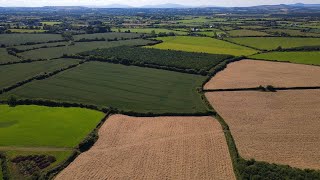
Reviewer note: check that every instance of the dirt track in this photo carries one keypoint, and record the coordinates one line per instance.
(250, 73)
(281, 127)
(155, 148)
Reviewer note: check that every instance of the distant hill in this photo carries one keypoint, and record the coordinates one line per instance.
(112, 6)
(169, 5)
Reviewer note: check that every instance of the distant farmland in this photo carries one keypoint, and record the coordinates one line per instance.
(56, 52)
(106, 36)
(16, 39)
(125, 87)
(269, 43)
(5, 57)
(202, 44)
(153, 148)
(301, 57)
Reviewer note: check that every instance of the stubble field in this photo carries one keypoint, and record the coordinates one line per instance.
(154, 147)
(251, 73)
(281, 127)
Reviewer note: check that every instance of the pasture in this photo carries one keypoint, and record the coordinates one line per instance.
(5, 57)
(202, 44)
(167, 58)
(12, 74)
(42, 45)
(153, 147)
(50, 23)
(17, 39)
(300, 57)
(128, 88)
(269, 43)
(253, 73)
(246, 32)
(56, 52)
(149, 30)
(27, 30)
(110, 35)
(277, 127)
(35, 126)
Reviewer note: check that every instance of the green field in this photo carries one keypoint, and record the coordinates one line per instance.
(60, 156)
(269, 43)
(16, 39)
(56, 52)
(168, 58)
(128, 88)
(110, 35)
(245, 32)
(149, 30)
(27, 30)
(27, 47)
(309, 57)
(292, 32)
(35, 126)
(50, 23)
(202, 44)
(11, 74)
(5, 57)
(211, 33)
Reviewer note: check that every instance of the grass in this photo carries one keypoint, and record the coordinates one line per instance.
(11, 74)
(111, 35)
(269, 43)
(309, 57)
(202, 44)
(245, 32)
(16, 39)
(51, 23)
(5, 57)
(292, 32)
(128, 88)
(148, 30)
(34, 126)
(27, 30)
(55, 52)
(60, 156)
(211, 33)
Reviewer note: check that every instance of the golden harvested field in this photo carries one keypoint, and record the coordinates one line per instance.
(279, 127)
(253, 73)
(155, 148)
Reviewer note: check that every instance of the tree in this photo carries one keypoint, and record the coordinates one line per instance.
(12, 101)
(153, 33)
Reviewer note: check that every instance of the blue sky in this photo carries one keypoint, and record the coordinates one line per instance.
(149, 2)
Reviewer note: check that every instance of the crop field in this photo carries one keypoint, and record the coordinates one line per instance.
(300, 57)
(27, 30)
(170, 58)
(35, 126)
(149, 30)
(11, 74)
(16, 39)
(56, 52)
(128, 88)
(278, 127)
(106, 36)
(5, 57)
(42, 45)
(253, 73)
(202, 44)
(15, 168)
(153, 147)
(269, 43)
(245, 32)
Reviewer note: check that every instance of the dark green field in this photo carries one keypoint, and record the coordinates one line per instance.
(11, 74)
(55, 52)
(16, 39)
(106, 36)
(5, 57)
(171, 58)
(128, 88)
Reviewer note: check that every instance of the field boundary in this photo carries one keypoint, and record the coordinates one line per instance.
(278, 61)
(264, 89)
(4, 167)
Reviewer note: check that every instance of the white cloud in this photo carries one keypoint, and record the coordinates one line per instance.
(145, 2)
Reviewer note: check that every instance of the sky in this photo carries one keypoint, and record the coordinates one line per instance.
(228, 3)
